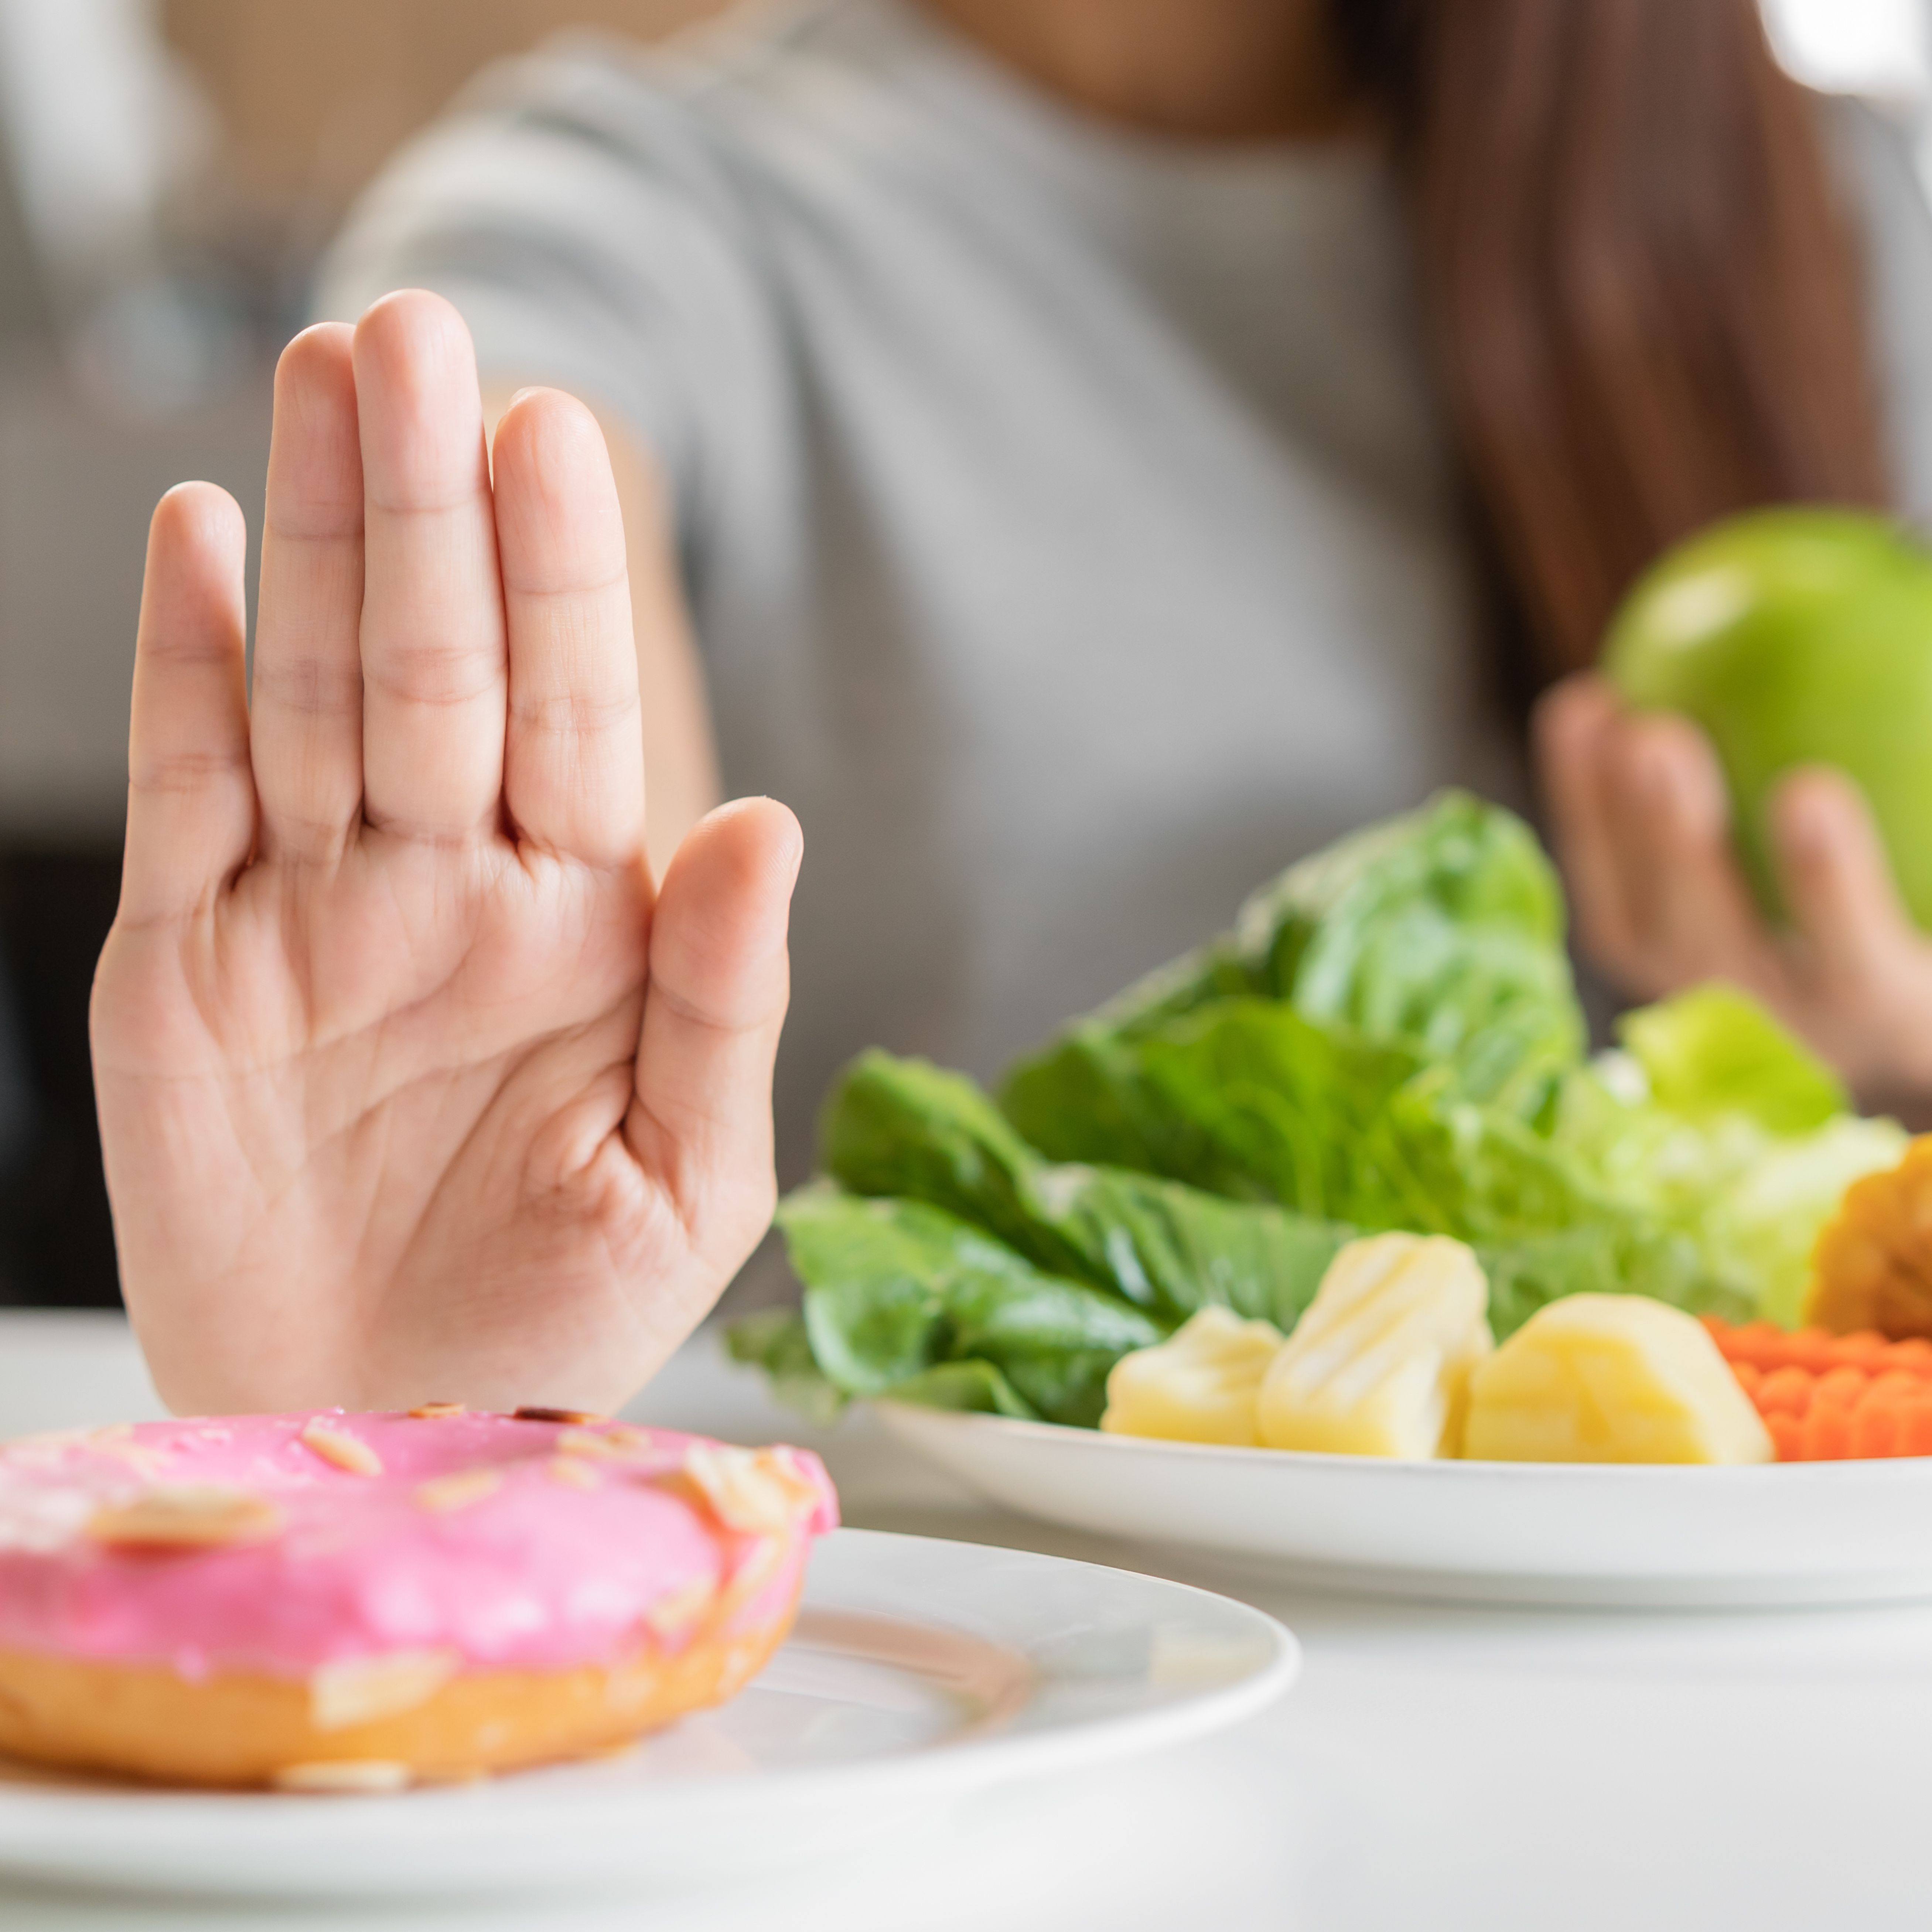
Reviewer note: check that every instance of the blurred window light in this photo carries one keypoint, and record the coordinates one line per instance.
(1878, 48)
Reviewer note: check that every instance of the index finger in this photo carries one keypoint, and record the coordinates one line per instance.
(1571, 729)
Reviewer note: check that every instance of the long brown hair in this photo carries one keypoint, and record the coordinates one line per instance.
(1645, 305)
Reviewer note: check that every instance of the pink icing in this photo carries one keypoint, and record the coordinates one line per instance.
(538, 1574)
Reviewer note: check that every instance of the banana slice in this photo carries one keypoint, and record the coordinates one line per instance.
(1198, 1386)
(1379, 1365)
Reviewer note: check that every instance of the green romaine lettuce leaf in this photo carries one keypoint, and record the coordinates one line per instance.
(1767, 1221)
(1243, 1097)
(897, 1289)
(1441, 930)
(774, 1340)
(1712, 1051)
(1611, 1254)
(971, 1385)
(1259, 1103)
(1727, 1129)
(905, 1127)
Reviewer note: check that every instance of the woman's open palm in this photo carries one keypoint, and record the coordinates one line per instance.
(407, 1087)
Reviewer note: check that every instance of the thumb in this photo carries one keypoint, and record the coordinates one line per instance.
(719, 983)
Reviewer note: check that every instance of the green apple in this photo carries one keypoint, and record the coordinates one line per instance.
(1796, 636)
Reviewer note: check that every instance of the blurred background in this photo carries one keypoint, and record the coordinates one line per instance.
(169, 171)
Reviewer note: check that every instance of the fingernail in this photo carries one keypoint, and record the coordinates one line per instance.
(530, 389)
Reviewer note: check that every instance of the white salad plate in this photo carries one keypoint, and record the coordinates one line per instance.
(920, 1672)
(1583, 1533)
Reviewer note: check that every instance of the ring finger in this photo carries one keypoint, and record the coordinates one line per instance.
(1691, 916)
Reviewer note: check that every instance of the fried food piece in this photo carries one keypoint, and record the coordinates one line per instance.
(1872, 1267)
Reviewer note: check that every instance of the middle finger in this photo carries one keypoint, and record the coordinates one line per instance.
(1691, 914)
(434, 672)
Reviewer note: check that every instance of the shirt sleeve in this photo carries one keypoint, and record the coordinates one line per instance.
(585, 223)
(1875, 158)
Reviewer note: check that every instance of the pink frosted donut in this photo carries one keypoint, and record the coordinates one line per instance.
(328, 1601)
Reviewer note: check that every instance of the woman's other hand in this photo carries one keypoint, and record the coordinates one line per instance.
(410, 1085)
(1642, 823)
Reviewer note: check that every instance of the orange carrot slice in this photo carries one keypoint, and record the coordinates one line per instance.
(1825, 1397)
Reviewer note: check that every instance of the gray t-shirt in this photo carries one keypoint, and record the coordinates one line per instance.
(1071, 535)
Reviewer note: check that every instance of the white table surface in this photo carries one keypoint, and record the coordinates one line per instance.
(1439, 1767)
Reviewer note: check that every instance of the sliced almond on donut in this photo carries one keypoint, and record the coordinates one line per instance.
(337, 1447)
(360, 1690)
(349, 1777)
(620, 1443)
(757, 1491)
(179, 1516)
(437, 1411)
(458, 1489)
(531, 1412)
(761, 1565)
(671, 1616)
(574, 1471)
(116, 1440)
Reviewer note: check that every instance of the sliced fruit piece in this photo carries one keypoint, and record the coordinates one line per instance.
(1379, 1365)
(1612, 1378)
(1198, 1386)
(1872, 1267)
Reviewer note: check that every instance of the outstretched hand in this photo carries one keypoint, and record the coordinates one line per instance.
(410, 1086)
(1642, 827)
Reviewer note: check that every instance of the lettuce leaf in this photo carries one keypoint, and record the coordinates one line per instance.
(1442, 931)
(1767, 1221)
(896, 1290)
(907, 1128)
(775, 1340)
(1260, 1103)
(1712, 1052)
(1243, 1097)
(1726, 1129)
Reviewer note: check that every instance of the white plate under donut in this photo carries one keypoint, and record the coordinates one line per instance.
(1602, 1535)
(920, 1672)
